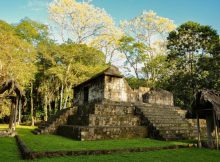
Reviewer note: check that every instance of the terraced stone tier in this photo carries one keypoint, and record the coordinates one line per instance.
(113, 120)
(113, 109)
(102, 132)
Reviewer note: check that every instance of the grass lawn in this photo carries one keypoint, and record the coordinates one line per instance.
(54, 142)
(8, 149)
(10, 153)
(180, 155)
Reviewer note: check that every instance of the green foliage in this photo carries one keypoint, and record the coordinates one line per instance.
(31, 31)
(17, 57)
(4, 108)
(134, 53)
(156, 70)
(135, 83)
(5, 27)
(193, 49)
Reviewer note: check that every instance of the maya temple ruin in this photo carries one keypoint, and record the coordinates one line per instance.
(105, 107)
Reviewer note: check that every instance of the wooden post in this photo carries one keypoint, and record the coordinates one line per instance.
(199, 133)
(209, 121)
(216, 130)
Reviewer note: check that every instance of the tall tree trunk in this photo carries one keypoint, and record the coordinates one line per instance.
(12, 116)
(67, 96)
(19, 110)
(55, 105)
(17, 99)
(49, 106)
(61, 96)
(32, 105)
(45, 108)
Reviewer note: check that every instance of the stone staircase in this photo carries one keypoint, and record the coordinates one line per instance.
(103, 121)
(60, 118)
(115, 120)
(164, 122)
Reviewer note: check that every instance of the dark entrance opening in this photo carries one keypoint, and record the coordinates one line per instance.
(86, 94)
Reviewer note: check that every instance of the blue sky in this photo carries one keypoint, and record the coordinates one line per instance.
(206, 12)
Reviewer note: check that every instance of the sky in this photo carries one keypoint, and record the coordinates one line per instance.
(206, 12)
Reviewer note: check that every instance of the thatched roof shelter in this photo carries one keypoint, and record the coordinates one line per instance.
(11, 85)
(16, 99)
(206, 105)
(206, 101)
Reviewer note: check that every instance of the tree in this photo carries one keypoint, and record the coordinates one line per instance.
(79, 21)
(108, 44)
(134, 53)
(157, 69)
(189, 44)
(150, 29)
(17, 58)
(75, 63)
(15, 53)
(32, 31)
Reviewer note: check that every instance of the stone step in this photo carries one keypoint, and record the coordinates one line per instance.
(101, 133)
(172, 113)
(58, 113)
(52, 125)
(113, 120)
(182, 125)
(113, 103)
(175, 136)
(158, 107)
(174, 128)
(175, 131)
(162, 117)
(168, 121)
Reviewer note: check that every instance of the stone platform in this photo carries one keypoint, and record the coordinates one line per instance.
(104, 121)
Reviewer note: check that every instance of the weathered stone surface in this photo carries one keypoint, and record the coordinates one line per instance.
(102, 132)
(106, 111)
(164, 122)
(104, 120)
(110, 85)
(160, 97)
(53, 123)
(93, 91)
(113, 120)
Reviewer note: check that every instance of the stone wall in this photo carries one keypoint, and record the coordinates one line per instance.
(160, 97)
(140, 92)
(117, 89)
(104, 120)
(95, 91)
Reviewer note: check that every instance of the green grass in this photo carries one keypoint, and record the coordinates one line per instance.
(54, 142)
(8, 149)
(10, 153)
(180, 155)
